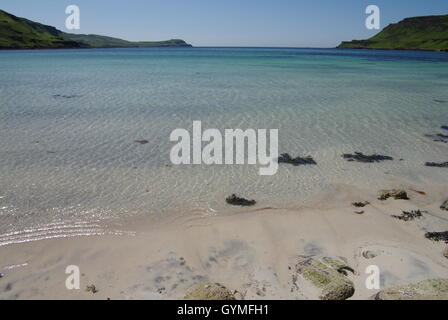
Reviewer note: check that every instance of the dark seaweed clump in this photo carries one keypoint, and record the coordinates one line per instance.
(360, 204)
(437, 165)
(360, 157)
(286, 158)
(236, 201)
(409, 216)
(437, 236)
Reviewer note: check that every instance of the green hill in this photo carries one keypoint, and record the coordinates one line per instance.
(417, 33)
(21, 33)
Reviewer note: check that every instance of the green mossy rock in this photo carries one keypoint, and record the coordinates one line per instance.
(327, 274)
(433, 289)
(208, 291)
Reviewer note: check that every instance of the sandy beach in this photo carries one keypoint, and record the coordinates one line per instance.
(250, 251)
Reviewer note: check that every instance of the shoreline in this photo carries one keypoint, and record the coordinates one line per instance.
(250, 251)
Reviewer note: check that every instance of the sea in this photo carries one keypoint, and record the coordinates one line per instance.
(85, 134)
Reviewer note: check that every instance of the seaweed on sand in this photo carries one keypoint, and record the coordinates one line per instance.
(360, 157)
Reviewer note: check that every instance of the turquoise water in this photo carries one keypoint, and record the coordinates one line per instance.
(69, 120)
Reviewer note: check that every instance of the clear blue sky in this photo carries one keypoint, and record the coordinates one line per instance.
(297, 23)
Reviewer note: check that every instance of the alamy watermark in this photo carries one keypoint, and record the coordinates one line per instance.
(73, 21)
(72, 282)
(373, 20)
(373, 281)
(189, 149)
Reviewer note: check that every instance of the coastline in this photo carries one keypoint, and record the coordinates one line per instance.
(401, 49)
(250, 251)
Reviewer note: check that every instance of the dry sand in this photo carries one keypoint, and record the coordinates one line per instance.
(248, 250)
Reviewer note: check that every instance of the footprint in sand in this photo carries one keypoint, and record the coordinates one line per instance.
(235, 255)
(166, 277)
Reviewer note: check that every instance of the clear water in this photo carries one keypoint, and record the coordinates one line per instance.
(69, 120)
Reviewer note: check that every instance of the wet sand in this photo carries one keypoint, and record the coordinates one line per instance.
(251, 251)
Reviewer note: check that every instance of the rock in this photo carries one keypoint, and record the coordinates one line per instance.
(286, 158)
(208, 291)
(444, 205)
(360, 204)
(328, 275)
(437, 236)
(396, 194)
(358, 156)
(437, 165)
(1, 275)
(359, 212)
(236, 201)
(142, 141)
(409, 216)
(91, 288)
(432, 289)
(445, 252)
(444, 127)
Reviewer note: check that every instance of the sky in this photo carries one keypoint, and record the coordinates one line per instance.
(265, 23)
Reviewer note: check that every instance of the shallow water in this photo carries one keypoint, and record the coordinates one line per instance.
(69, 120)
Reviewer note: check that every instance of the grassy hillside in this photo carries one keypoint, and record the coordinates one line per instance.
(96, 41)
(418, 33)
(20, 33)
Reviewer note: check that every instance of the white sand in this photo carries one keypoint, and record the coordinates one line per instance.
(248, 250)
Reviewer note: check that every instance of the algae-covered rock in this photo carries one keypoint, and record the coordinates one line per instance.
(327, 274)
(208, 291)
(396, 194)
(432, 289)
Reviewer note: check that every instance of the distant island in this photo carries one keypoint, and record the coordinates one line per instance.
(21, 33)
(417, 33)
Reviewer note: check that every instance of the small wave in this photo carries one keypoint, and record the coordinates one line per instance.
(58, 230)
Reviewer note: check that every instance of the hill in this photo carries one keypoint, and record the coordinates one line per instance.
(21, 33)
(417, 33)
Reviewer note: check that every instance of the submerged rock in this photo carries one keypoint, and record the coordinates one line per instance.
(236, 201)
(358, 156)
(396, 194)
(437, 236)
(437, 165)
(444, 127)
(286, 158)
(444, 205)
(209, 291)
(327, 274)
(409, 216)
(432, 289)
